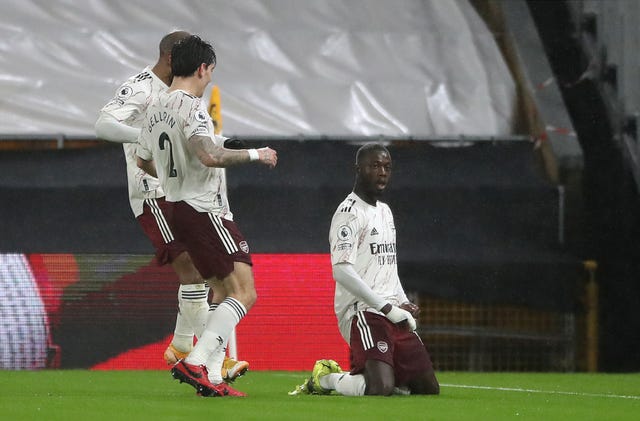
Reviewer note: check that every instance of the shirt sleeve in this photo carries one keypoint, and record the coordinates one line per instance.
(110, 129)
(343, 237)
(130, 100)
(142, 148)
(346, 275)
(199, 124)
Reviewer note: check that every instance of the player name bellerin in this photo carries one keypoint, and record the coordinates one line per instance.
(161, 116)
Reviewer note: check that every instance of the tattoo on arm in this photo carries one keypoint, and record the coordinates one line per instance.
(213, 155)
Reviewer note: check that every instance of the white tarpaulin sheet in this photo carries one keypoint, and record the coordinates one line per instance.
(285, 67)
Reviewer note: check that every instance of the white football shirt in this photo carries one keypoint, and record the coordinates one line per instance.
(128, 107)
(171, 119)
(365, 236)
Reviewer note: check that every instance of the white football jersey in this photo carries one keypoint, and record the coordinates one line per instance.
(365, 236)
(171, 119)
(128, 107)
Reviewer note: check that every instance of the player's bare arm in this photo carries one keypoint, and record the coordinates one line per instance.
(147, 166)
(212, 155)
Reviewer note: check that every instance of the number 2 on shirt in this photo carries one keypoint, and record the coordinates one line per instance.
(164, 137)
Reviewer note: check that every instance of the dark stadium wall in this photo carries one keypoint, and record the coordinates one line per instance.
(612, 204)
(477, 223)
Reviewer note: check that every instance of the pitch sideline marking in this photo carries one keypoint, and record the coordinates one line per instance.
(551, 392)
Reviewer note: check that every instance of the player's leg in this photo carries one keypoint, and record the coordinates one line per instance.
(220, 323)
(376, 380)
(325, 377)
(379, 378)
(190, 321)
(413, 366)
(184, 268)
(181, 342)
(372, 370)
(216, 358)
(192, 294)
(425, 383)
(231, 369)
(346, 384)
(219, 251)
(371, 345)
(241, 296)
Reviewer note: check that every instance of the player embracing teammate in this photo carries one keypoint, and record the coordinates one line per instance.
(120, 121)
(177, 143)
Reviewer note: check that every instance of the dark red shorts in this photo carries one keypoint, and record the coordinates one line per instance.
(214, 243)
(154, 220)
(374, 337)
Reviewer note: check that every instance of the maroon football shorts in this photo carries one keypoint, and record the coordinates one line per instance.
(374, 337)
(214, 243)
(154, 220)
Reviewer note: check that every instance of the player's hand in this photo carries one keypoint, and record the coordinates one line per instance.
(411, 308)
(399, 315)
(268, 157)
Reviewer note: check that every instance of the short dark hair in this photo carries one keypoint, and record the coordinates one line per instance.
(188, 54)
(368, 148)
(168, 41)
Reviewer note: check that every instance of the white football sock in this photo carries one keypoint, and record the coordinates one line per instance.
(214, 363)
(183, 334)
(193, 306)
(344, 383)
(219, 325)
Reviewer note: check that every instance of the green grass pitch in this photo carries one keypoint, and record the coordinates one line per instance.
(154, 395)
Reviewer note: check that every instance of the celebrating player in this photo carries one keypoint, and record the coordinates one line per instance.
(374, 315)
(177, 141)
(120, 121)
